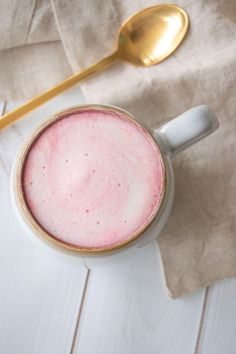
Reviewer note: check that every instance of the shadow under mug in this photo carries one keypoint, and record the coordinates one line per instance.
(171, 138)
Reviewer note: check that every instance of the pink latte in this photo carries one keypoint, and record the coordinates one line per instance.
(93, 179)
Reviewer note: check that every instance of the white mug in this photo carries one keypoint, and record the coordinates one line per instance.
(171, 137)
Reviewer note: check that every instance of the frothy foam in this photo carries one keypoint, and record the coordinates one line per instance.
(93, 179)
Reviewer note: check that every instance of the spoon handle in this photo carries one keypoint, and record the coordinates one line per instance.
(30, 105)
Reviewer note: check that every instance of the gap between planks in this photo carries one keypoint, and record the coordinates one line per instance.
(202, 321)
(76, 332)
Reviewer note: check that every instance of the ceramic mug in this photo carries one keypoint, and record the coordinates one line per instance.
(171, 138)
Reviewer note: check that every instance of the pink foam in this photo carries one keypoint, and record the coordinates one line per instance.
(93, 179)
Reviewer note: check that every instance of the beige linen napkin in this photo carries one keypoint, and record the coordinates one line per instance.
(44, 41)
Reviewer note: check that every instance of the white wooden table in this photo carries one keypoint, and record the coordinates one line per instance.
(49, 306)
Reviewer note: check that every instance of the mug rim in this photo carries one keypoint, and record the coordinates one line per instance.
(22, 204)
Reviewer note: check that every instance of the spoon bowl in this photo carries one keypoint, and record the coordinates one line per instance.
(145, 39)
(151, 35)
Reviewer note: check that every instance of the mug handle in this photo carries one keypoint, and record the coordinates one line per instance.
(186, 129)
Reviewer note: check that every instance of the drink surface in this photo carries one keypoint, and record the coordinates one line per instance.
(93, 179)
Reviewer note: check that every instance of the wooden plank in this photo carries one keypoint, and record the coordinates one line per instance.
(219, 325)
(126, 311)
(40, 295)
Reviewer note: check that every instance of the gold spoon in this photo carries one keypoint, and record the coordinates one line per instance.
(145, 39)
